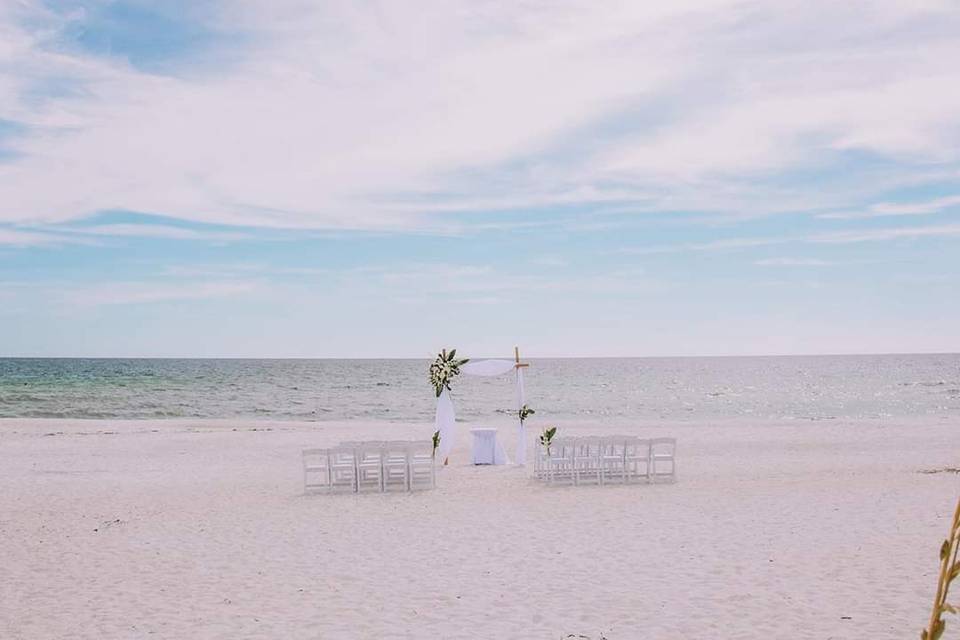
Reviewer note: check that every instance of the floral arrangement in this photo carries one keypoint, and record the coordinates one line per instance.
(949, 570)
(436, 443)
(547, 437)
(525, 412)
(444, 369)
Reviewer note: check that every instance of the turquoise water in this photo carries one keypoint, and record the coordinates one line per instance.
(812, 388)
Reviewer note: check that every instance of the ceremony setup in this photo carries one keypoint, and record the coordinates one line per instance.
(486, 447)
(412, 465)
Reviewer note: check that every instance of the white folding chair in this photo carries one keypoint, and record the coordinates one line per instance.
(586, 459)
(540, 460)
(396, 465)
(557, 460)
(663, 453)
(613, 458)
(316, 470)
(370, 465)
(342, 461)
(636, 459)
(422, 467)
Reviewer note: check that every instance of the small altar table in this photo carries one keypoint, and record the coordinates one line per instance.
(486, 448)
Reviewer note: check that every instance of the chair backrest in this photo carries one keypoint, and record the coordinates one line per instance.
(342, 453)
(613, 445)
(312, 457)
(370, 451)
(561, 447)
(663, 446)
(637, 447)
(420, 449)
(589, 446)
(396, 450)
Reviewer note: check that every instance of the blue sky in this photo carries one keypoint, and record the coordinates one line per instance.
(283, 179)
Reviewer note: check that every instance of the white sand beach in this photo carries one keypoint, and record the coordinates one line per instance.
(200, 529)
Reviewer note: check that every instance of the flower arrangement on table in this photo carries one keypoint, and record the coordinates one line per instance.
(444, 369)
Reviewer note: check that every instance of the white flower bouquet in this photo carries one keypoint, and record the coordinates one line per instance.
(444, 369)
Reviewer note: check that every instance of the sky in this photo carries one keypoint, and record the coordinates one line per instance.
(287, 178)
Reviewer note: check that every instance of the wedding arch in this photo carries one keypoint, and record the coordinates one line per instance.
(446, 367)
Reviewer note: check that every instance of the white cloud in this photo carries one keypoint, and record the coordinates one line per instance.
(793, 262)
(873, 235)
(157, 231)
(887, 209)
(382, 116)
(147, 292)
(15, 238)
(22, 238)
(714, 245)
(473, 283)
(57, 235)
(241, 270)
(549, 261)
(832, 237)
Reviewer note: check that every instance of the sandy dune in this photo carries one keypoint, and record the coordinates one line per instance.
(200, 530)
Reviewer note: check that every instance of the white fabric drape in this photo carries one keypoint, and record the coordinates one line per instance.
(487, 367)
(521, 454)
(444, 423)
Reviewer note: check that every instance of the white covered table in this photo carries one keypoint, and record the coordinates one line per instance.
(486, 448)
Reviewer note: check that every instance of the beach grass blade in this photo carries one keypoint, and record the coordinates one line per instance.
(949, 570)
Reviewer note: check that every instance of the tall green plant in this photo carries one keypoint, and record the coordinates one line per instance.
(949, 570)
(546, 438)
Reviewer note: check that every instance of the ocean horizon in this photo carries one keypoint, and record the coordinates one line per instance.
(822, 387)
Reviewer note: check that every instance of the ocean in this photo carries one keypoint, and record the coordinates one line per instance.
(675, 389)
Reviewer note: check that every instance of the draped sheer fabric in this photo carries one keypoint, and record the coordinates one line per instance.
(444, 423)
(487, 367)
(520, 455)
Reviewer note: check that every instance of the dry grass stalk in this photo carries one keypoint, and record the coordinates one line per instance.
(949, 569)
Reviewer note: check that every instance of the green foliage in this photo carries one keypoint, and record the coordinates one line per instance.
(949, 570)
(436, 442)
(444, 369)
(547, 436)
(525, 412)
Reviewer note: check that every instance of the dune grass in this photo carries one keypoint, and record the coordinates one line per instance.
(949, 570)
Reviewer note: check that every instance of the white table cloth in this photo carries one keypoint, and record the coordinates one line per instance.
(486, 448)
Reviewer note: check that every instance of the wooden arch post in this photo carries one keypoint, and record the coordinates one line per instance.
(516, 358)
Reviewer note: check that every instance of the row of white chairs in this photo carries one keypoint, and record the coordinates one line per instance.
(373, 465)
(602, 459)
